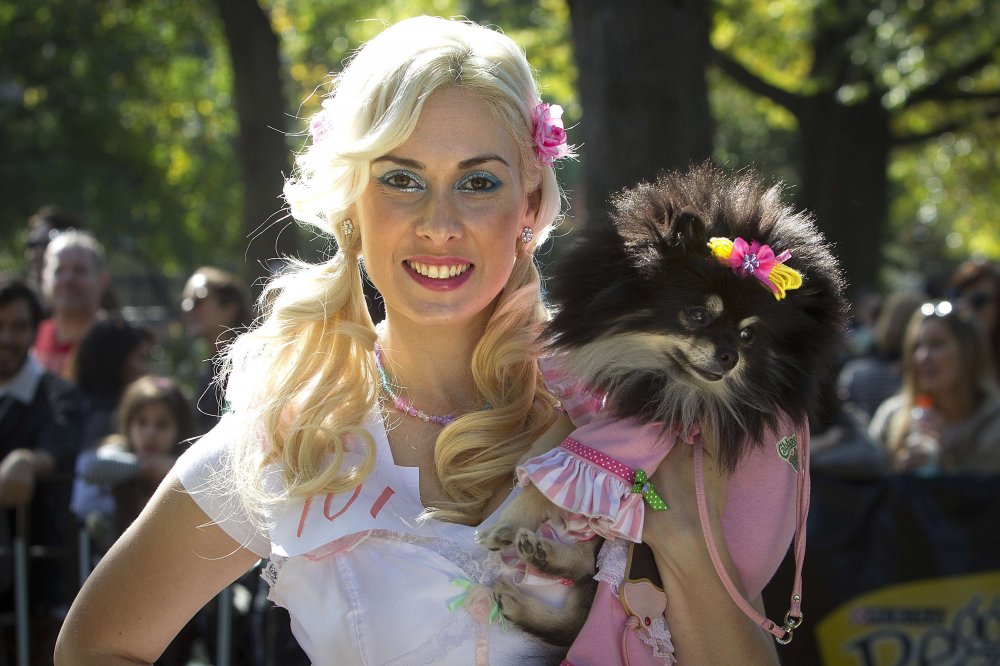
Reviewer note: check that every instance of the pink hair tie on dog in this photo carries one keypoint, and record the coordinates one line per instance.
(549, 134)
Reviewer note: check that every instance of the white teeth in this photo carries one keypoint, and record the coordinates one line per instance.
(438, 272)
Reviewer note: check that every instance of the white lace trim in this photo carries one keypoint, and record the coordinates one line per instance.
(611, 562)
(269, 572)
(478, 564)
(657, 637)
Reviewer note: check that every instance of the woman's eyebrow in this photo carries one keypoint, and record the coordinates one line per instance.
(476, 161)
(402, 161)
(464, 164)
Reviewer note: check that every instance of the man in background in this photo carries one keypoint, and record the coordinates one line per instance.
(40, 427)
(73, 285)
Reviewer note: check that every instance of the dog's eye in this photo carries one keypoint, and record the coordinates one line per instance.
(747, 336)
(697, 316)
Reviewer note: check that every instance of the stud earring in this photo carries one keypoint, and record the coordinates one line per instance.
(347, 228)
(526, 235)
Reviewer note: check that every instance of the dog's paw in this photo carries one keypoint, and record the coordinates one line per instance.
(558, 626)
(509, 600)
(498, 537)
(533, 549)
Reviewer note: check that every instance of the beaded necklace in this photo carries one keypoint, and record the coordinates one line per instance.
(401, 403)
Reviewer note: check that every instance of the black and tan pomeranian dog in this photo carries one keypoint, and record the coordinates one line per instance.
(709, 302)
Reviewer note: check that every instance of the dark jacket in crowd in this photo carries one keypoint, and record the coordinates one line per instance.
(51, 422)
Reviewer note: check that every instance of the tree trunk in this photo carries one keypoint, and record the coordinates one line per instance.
(845, 157)
(643, 90)
(263, 153)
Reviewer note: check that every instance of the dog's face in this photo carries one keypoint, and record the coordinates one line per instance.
(672, 333)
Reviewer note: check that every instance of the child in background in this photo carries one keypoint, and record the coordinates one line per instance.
(154, 420)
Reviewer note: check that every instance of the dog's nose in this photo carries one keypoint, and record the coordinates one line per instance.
(727, 358)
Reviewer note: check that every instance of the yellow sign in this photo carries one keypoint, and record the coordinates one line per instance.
(941, 622)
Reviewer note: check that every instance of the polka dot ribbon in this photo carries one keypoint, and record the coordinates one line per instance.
(643, 486)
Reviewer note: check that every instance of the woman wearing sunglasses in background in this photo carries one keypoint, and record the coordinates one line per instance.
(946, 418)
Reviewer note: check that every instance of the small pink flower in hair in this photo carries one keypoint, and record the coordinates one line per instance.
(755, 259)
(550, 137)
(320, 123)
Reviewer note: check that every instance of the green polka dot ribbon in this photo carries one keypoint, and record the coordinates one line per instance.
(643, 486)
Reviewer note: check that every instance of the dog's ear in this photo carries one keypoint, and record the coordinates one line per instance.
(595, 274)
(687, 231)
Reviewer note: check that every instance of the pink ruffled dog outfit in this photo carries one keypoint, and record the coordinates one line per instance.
(592, 477)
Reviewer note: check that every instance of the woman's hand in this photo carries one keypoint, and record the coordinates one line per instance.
(707, 627)
(922, 444)
(674, 482)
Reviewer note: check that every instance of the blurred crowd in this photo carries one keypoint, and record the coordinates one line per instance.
(87, 430)
(917, 390)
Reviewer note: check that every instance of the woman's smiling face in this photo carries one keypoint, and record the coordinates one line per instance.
(441, 215)
(937, 358)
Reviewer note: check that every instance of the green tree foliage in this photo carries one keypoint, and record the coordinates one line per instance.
(121, 111)
(318, 38)
(929, 70)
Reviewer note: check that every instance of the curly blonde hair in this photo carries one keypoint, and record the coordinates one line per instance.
(316, 339)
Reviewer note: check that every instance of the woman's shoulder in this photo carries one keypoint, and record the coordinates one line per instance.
(206, 471)
(879, 424)
(987, 421)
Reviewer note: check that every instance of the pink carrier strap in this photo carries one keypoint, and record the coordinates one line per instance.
(793, 618)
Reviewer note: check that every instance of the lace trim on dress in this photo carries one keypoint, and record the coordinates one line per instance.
(657, 637)
(478, 565)
(612, 560)
(270, 571)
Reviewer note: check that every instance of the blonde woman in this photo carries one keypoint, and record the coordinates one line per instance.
(360, 460)
(946, 417)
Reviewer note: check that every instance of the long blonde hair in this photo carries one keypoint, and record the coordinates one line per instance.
(302, 382)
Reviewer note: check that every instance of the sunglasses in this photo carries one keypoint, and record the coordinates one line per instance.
(936, 308)
(190, 304)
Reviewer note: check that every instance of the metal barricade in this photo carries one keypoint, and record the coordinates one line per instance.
(20, 547)
(22, 551)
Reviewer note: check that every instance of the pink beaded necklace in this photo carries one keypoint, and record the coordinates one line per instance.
(401, 403)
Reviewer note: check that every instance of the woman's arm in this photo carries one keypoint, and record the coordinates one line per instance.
(167, 565)
(706, 626)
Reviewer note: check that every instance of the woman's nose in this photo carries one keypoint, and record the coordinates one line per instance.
(440, 221)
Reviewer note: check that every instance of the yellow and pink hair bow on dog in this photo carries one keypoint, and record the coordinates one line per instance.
(759, 261)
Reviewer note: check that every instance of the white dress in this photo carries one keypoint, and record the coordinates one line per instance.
(363, 581)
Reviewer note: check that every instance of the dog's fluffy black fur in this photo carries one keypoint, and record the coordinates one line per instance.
(673, 335)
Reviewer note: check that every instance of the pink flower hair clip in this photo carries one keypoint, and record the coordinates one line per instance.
(547, 130)
(759, 261)
(319, 124)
